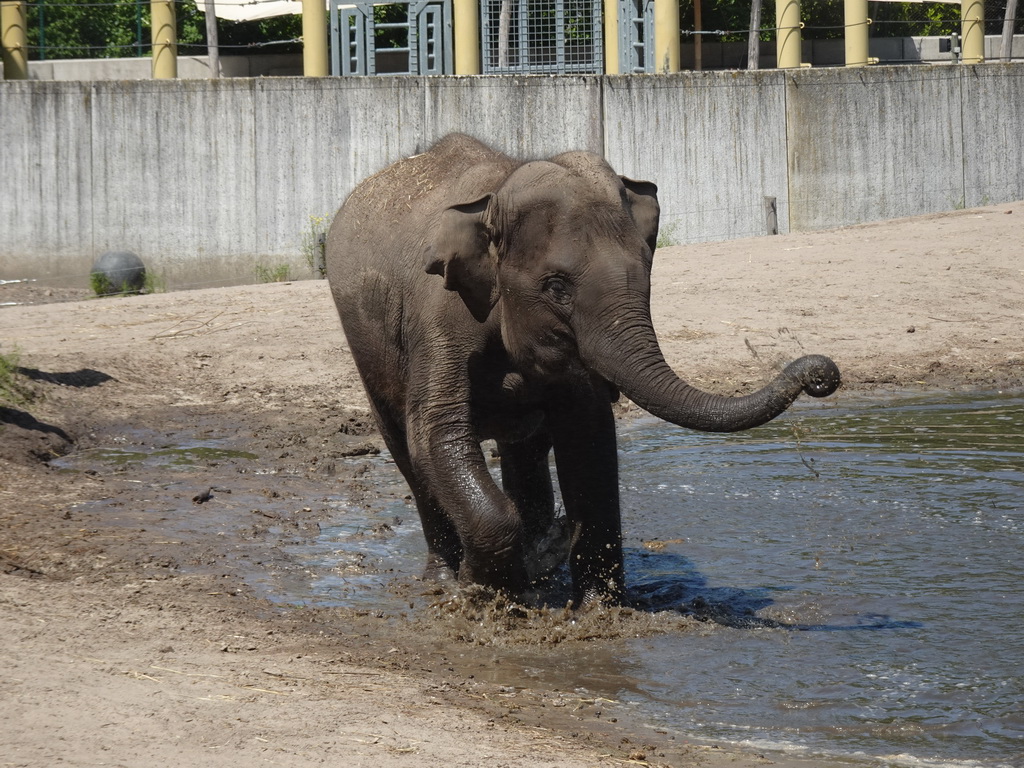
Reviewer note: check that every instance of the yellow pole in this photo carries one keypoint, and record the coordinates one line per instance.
(666, 36)
(856, 15)
(466, 15)
(787, 34)
(314, 38)
(972, 32)
(13, 33)
(165, 39)
(611, 37)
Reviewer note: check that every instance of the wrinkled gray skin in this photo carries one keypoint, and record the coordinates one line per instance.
(487, 298)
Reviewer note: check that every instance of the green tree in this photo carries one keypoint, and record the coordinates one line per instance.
(914, 19)
(92, 29)
(70, 29)
(823, 19)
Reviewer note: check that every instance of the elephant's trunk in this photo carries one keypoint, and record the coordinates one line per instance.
(628, 355)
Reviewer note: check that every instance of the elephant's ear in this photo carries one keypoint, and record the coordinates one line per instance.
(461, 253)
(643, 203)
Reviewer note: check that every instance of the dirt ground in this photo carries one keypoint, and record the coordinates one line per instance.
(132, 639)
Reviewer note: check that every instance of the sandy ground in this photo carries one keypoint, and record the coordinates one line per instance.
(128, 643)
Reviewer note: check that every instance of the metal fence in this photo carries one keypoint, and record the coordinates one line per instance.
(636, 35)
(549, 36)
(412, 37)
(823, 20)
(542, 36)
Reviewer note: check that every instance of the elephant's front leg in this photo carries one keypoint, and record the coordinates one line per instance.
(446, 455)
(583, 432)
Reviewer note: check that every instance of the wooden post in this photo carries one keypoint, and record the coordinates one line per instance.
(972, 32)
(611, 37)
(314, 38)
(14, 37)
(787, 34)
(466, 16)
(212, 39)
(1006, 45)
(856, 19)
(754, 36)
(666, 36)
(164, 33)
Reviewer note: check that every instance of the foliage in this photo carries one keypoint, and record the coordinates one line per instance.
(913, 19)
(394, 13)
(280, 273)
(68, 29)
(94, 29)
(102, 286)
(253, 36)
(823, 19)
(13, 391)
(312, 251)
(154, 283)
(666, 236)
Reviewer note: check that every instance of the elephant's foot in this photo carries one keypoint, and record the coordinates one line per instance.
(503, 572)
(548, 550)
(437, 569)
(591, 589)
(609, 596)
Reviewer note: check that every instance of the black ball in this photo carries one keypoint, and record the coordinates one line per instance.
(118, 272)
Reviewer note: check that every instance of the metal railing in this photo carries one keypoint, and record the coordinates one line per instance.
(542, 36)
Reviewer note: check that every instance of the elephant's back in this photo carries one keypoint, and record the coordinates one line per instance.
(379, 236)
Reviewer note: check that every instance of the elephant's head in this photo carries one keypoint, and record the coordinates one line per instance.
(563, 250)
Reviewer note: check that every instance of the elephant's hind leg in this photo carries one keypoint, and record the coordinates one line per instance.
(526, 479)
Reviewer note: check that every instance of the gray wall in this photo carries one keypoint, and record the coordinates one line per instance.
(206, 179)
(141, 68)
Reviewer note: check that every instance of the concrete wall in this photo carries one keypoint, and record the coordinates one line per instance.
(714, 142)
(207, 179)
(141, 68)
(874, 143)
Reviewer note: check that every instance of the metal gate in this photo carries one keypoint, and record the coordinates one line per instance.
(547, 36)
(409, 37)
(636, 36)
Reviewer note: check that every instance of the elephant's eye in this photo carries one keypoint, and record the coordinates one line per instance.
(558, 289)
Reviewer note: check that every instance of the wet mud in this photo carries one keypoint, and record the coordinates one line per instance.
(243, 503)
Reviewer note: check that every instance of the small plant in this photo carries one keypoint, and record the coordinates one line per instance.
(277, 274)
(312, 243)
(666, 237)
(102, 286)
(13, 391)
(154, 283)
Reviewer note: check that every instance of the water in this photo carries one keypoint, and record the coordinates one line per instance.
(866, 564)
(860, 570)
(856, 564)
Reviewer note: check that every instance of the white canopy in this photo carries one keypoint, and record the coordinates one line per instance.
(251, 10)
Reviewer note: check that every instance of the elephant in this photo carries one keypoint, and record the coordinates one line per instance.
(488, 298)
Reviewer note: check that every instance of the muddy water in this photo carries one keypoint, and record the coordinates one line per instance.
(852, 573)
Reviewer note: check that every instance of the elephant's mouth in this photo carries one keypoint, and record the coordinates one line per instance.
(551, 355)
